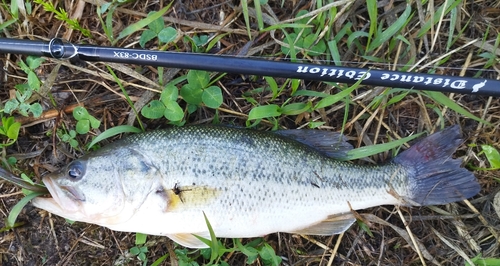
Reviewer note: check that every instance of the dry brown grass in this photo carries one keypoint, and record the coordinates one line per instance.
(441, 235)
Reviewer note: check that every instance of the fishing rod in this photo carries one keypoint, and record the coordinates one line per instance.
(59, 49)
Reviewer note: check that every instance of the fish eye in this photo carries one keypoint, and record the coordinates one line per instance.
(76, 171)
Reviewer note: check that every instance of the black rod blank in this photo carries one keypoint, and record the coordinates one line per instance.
(56, 48)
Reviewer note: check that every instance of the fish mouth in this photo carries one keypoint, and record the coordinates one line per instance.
(68, 198)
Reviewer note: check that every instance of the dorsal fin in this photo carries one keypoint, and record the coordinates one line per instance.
(331, 144)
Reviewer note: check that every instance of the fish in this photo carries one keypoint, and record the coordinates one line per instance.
(247, 183)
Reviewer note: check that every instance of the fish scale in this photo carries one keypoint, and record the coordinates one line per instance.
(302, 167)
(248, 183)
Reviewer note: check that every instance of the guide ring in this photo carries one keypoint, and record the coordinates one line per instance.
(57, 49)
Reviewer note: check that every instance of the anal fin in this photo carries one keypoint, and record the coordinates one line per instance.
(190, 240)
(334, 224)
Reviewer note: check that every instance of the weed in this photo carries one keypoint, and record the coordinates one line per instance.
(258, 248)
(253, 250)
(272, 111)
(186, 257)
(15, 9)
(311, 37)
(16, 210)
(442, 99)
(383, 36)
(140, 252)
(492, 156)
(107, 25)
(112, 132)
(305, 39)
(198, 91)
(62, 15)
(166, 107)
(68, 137)
(140, 249)
(24, 91)
(490, 56)
(10, 129)
(480, 261)
(129, 101)
(157, 29)
(197, 42)
(20, 103)
(85, 120)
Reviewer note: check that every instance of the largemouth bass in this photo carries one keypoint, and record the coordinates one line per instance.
(248, 183)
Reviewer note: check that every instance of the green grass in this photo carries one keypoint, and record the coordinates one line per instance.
(24, 92)
(315, 34)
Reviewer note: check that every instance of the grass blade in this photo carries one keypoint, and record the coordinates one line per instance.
(327, 101)
(258, 14)
(11, 220)
(129, 101)
(142, 23)
(264, 111)
(427, 26)
(392, 30)
(444, 100)
(244, 6)
(113, 132)
(371, 6)
(378, 148)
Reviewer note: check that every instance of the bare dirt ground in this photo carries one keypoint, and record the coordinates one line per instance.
(445, 235)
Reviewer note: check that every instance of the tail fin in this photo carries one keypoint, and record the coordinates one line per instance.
(435, 178)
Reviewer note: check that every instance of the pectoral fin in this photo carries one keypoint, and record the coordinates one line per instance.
(333, 225)
(189, 240)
